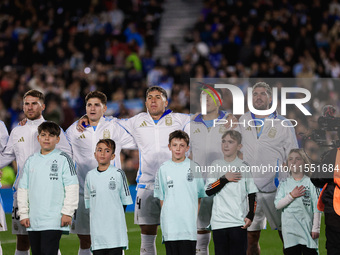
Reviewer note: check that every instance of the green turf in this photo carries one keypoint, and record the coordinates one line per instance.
(269, 241)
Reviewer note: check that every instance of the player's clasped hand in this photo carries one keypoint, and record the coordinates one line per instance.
(298, 191)
(233, 176)
(25, 222)
(247, 223)
(66, 220)
(315, 235)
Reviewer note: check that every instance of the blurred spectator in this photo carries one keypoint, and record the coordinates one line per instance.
(68, 113)
(53, 110)
(74, 97)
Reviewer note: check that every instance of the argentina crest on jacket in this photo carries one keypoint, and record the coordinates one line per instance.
(106, 134)
(168, 120)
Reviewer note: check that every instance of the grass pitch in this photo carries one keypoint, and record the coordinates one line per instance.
(269, 241)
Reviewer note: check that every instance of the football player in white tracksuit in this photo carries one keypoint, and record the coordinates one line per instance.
(22, 143)
(84, 145)
(265, 146)
(257, 152)
(3, 142)
(205, 144)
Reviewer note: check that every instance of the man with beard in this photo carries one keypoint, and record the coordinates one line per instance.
(266, 145)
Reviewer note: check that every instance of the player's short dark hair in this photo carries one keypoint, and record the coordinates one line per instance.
(35, 93)
(49, 126)
(109, 143)
(235, 135)
(157, 88)
(96, 94)
(179, 134)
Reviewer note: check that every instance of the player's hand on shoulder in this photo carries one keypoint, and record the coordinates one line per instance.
(247, 223)
(22, 122)
(231, 119)
(315, 235)
(233, 176)
(195, 115)
(82, 123)
(66, 220)
(25, 222)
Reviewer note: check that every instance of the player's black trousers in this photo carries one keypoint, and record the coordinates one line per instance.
(44, 242)
(181, 247)
(230, 241)
(113, 251)
(300, 250)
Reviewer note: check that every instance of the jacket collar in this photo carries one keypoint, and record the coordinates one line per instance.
(35, 122)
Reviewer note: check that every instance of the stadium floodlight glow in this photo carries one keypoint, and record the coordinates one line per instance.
(238, 100)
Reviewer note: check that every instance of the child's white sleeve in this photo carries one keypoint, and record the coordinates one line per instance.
(317, 214)
(22, 198)
(316, 222)
(284, 202)
(71, 199)
(281, 199)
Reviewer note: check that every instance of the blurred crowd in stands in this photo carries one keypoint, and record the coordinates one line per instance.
(68, 48)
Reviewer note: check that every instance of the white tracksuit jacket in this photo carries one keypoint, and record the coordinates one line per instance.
(84, 145)
(270, 149)
(23, 142)
(3, 136)
(206, 142)
(153, 139)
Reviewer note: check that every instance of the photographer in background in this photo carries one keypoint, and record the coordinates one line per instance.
(329, 199)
